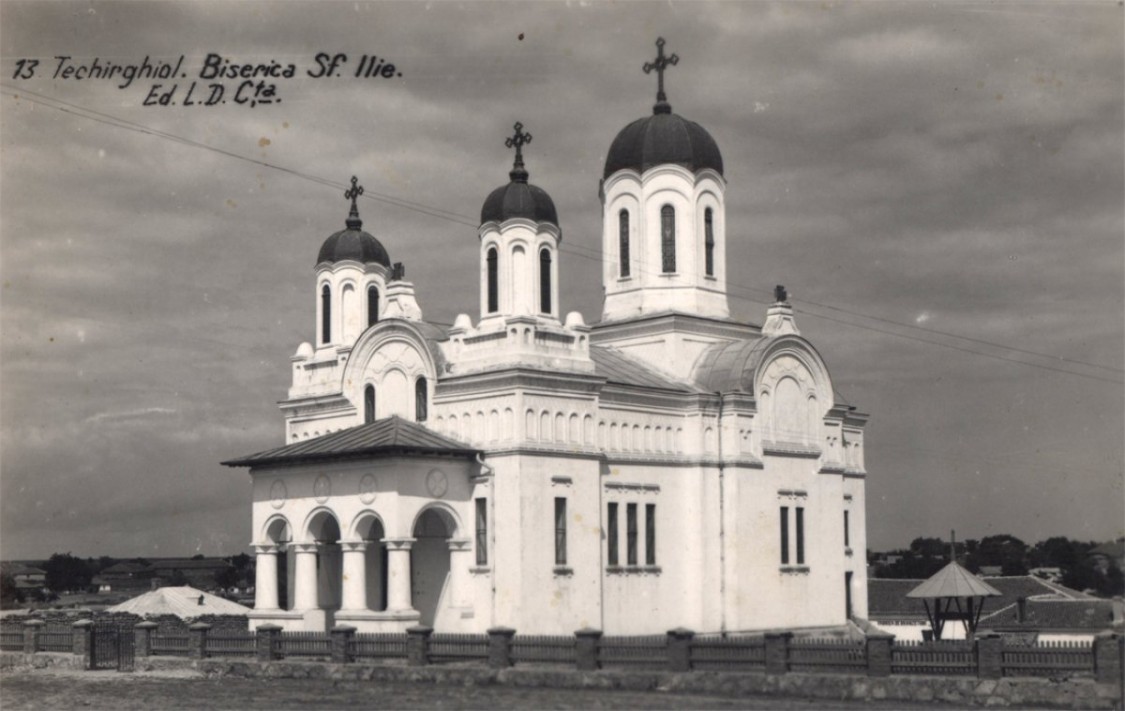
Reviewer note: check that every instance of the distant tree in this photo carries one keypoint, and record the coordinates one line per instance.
(1005, 551)
(67, 572)
(104, 562)
(1058, 552)
(9, 593)
(197, 556)
(240, 561)
(178, 579)
(227, 577)
(931, 547)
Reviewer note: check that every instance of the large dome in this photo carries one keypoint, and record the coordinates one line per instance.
(662, 138)
(519, 199)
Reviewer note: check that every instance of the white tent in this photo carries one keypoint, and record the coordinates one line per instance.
(184, 602)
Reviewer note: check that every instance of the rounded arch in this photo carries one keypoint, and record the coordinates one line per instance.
(365, 524)
(277, 530)
(320, 525)
(443, 510)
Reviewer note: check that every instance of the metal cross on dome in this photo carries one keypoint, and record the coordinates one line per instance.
(660, 65)
(352, 194)
(518, 140)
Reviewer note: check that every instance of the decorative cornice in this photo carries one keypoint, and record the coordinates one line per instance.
(672, 321)
(790, 449)
(516, 377)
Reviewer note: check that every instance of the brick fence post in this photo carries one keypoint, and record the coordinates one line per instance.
(31, 630)
(679, 649)
(1107, 658)
(500, 647)
(777, 652)
(264, 643)
(418, 645)
(586, 648)
(142, 638)
(84, 642)
(879, 647)
(990, 655)
(197, 640)
(342, 636)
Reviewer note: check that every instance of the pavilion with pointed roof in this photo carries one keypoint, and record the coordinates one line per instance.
(946, 589)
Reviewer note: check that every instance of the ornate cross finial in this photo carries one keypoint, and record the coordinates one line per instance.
(518, 140)
(660, 65)
(354, 222)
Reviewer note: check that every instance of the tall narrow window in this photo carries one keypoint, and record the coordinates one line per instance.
(325, 315)
(785, 535)
(545, 281)
(709, 242)
(650, 534)
(482, 531)
(421, 397)
(848, 594)
(847, 531)
(630, 534)
(369, 404)
(560, 531)
(493, 281)
(623, 242)
(800, 536)
(668, 238)
(372, 305)
(611, 535)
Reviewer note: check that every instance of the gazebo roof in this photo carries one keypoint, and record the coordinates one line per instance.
(184, 602)
(953, 581)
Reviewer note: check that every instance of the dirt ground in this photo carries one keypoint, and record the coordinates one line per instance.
(49, 689)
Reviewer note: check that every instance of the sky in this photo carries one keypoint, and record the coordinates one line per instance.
(941, 188)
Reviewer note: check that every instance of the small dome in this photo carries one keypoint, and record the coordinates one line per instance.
(354, 244)
(662, 138)
(519, 199)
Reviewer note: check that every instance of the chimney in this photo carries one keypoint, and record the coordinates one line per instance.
(1021, 609)
(200, 599)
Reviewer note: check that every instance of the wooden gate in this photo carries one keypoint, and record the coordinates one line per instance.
(113, 648)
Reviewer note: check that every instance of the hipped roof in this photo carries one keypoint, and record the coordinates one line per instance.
(954, 581)
(183, 602)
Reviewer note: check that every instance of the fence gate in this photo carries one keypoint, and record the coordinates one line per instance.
(113, 648)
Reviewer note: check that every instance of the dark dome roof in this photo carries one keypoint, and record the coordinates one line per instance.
(354, 244)
(664, 137)
(519, 199)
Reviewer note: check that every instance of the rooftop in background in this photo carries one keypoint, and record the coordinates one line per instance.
(887, 598)
(183, 602)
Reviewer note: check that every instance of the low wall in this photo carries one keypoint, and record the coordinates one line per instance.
(1007, 692)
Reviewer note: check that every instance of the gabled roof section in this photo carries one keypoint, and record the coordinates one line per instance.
(954, 581)
(390, 436)
(183, 602)
(617, 367)
(887, 597)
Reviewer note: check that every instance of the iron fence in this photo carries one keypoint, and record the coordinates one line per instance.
(642, 651)
(303, 644)
(458, 647)
(543, 649)
(827, 655)
(728, 654)
(1050, 659)
(937, 658)
(231, 645)
(170, 644)
(378, 646)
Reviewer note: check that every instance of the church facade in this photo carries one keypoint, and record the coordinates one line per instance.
(666, 466)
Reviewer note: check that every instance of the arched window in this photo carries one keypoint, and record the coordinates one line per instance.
(369, 403)
(325, 315)
(623, 242)
(493, 282)
(421, 397)
(668, 239)
(372, 305)
(709, 242)
(545, 280)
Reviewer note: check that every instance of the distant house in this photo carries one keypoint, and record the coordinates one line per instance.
(197, 572)
(126, 576)
(1049, 573)
(1108, 554)
(1029, 605)
(28, 577)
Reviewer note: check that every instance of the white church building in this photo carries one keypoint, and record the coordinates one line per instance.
(665, 466)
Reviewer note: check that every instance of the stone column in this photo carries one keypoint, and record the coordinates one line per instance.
(264, 645)
(418, 645)
(197, 640)
(679, 649)
(305, 586)
(460, 560)
(990, 655)
(342, 636)
(31, 630)
(500, 647)
(879, 653)
(777, 652)
(354, 596)
(142, 638)
(84, 642)
(586, 648)
(398, 564)
(265, 577)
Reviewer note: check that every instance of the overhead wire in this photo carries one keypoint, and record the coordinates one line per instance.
(580, 251)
